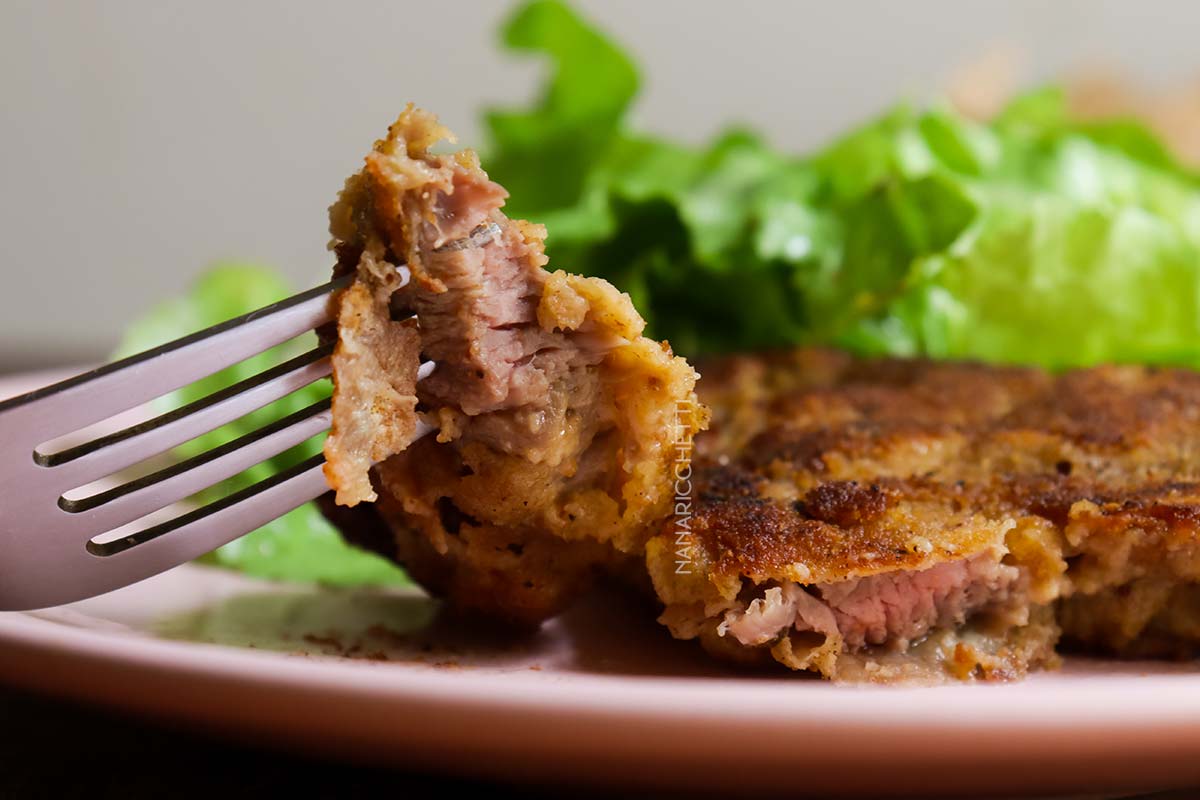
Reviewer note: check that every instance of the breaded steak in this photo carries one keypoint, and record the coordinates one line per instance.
(555, 417)
(889, 520)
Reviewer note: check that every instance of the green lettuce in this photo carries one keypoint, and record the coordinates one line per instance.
(1034, 238)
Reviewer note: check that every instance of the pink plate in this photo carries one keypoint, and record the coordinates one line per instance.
(602, 694)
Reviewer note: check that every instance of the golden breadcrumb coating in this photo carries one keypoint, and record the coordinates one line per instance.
(559, 424)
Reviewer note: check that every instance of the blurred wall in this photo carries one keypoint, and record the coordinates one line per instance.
(143, 140)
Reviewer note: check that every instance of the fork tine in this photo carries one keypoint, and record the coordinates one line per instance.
(194, 534)
(133, 500)
(160, 547)
(222, 521)
(84, 463)
(104, 392)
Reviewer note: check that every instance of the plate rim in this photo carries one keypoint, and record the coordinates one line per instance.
(643, 729)
(777, 699)
(622, 730)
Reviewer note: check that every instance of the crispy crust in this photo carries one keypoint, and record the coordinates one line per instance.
(823, 468)
(837, 530)
(375, 413)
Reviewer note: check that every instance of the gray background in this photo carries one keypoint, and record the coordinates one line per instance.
(142, 141)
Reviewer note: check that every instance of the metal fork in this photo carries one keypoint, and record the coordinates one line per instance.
(51, 550)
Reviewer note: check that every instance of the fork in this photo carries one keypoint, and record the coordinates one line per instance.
(53, 549)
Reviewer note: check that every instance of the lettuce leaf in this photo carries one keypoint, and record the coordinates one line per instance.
(1034, 238)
